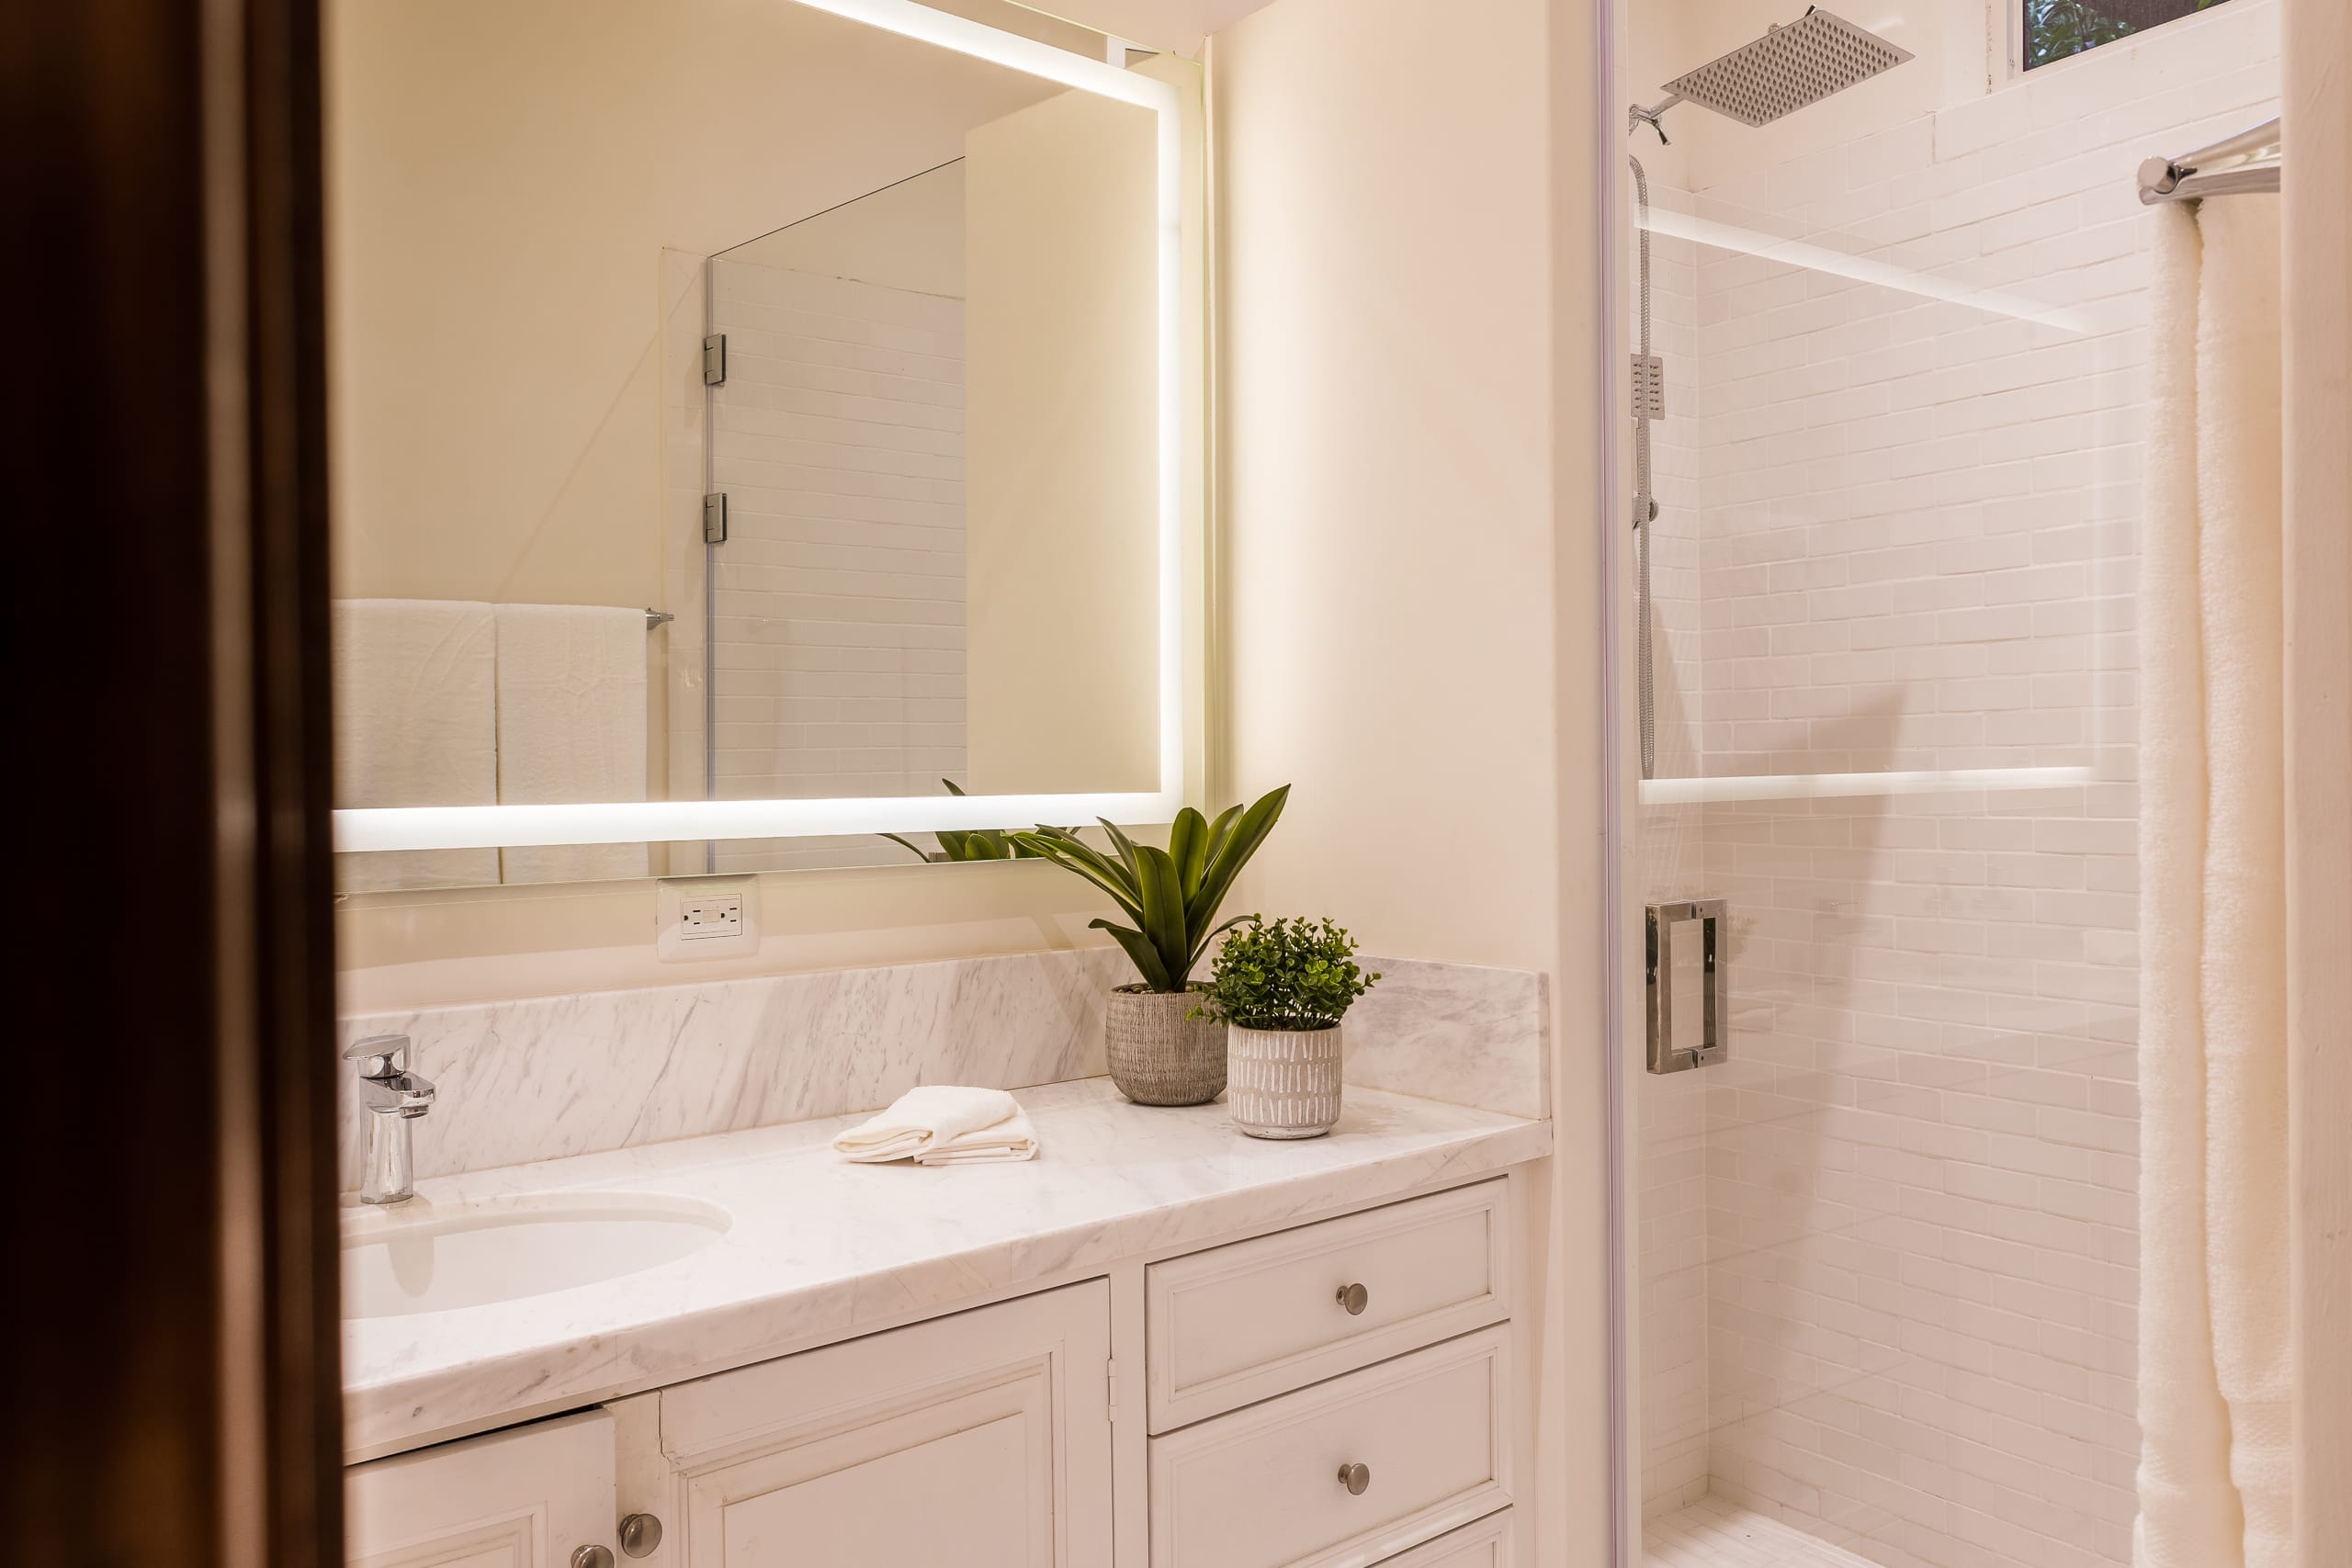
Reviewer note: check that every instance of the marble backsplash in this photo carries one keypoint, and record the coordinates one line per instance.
(1460, 1032)
(542, 1077)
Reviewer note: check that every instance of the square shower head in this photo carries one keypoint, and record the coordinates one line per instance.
(1788, 68)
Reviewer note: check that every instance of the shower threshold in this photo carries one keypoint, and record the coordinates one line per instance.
(1716, 1533)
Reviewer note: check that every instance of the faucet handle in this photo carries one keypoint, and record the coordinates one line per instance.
(379, 1055)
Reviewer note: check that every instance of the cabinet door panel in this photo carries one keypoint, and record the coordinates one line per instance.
(981, 1440)
(524, 1498)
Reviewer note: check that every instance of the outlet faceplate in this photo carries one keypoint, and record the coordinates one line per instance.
(706, 917)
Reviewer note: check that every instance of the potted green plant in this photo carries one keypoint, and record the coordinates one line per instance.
(1160, 1054)
(1282, 989)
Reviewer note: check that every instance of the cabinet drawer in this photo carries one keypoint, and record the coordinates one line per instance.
(1262, 1487)
(1486, 1544)
(1241, 1323)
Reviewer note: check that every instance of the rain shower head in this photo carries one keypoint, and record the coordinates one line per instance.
(1782, 72)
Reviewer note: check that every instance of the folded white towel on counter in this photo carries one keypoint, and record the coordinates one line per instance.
(1004, 1143)
(941, 1125)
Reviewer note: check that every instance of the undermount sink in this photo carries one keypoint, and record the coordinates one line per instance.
(505, 1250)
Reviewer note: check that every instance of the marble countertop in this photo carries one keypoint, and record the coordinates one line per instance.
(819, 1249)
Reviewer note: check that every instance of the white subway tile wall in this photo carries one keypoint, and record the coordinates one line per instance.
(1914, 536)
(838, 599)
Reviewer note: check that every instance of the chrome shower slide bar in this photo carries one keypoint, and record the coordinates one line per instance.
(2249, 161)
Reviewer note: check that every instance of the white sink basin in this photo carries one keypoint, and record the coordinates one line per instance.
(505, 1250)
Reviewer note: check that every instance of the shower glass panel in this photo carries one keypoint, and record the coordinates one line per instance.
(837, 583)
(1884, 1250)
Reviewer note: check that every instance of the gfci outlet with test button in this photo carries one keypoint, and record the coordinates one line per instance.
(706, 917)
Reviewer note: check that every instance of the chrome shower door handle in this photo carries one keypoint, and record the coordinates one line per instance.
(1715, 1023)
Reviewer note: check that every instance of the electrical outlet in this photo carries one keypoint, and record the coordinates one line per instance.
(706, 917)
(710, 916)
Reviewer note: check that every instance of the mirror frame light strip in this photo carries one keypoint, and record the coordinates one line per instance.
(621, 823)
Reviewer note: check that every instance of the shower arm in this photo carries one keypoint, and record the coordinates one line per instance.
(1637, 117)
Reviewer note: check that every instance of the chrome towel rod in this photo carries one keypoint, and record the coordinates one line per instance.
(2246, 162)
(658, 618)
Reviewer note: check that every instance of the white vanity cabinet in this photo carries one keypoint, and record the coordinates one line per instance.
(526, 1498)
(1339, 1394)
(981, 1440)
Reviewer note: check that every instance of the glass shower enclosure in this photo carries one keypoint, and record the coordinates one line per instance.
(1882, 418)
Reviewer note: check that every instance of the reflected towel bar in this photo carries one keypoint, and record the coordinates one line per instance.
(2246, 162)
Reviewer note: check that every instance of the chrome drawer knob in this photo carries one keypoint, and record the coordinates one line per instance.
(1355, 1478)
(1355, 1298)
(640, 1534)
(591, 1557)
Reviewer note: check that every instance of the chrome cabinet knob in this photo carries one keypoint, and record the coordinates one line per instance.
(1355, 1298)
(640, 1534)
(1355, 1478)
(591, 1557)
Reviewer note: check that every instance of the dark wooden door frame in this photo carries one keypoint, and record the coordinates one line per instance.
(174, 1392)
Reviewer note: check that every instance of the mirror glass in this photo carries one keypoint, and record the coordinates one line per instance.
(733, 402)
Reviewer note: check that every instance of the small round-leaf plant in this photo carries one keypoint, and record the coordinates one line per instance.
(1286, 973)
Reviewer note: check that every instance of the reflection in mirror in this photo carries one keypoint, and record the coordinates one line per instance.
(733, 404)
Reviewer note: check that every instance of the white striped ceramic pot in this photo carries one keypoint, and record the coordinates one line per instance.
(1283, 1083)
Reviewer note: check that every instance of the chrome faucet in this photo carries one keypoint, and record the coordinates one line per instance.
(394, 1096)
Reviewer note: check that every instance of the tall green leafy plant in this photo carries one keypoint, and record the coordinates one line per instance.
(1171, 894)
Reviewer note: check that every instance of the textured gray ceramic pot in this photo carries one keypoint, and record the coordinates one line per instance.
(1286, 1082)
(1159, 1057)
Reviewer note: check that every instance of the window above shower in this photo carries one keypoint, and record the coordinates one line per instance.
(2059, 29)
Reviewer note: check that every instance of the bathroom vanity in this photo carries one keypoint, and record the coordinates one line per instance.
(915, 552)
(1159, 1343)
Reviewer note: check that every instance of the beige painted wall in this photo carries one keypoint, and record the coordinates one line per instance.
(908, 235)
(1061, 490)
(2317, 218)
(503, 178)
(1409, 448)
(1386, 448)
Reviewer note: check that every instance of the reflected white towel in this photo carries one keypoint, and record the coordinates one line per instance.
(941, 1125)
(415, 724)
(571, 728)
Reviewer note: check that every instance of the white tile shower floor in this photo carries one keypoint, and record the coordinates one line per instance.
(1715, 1533)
